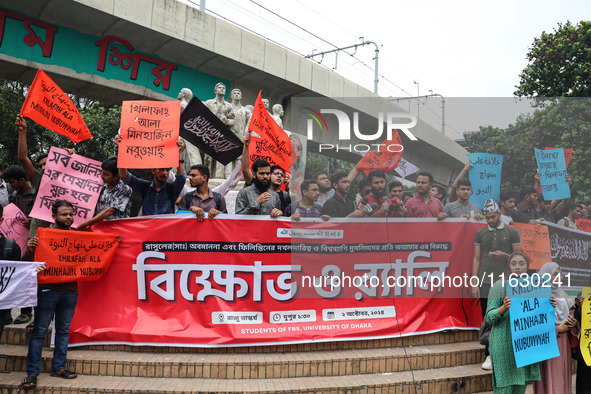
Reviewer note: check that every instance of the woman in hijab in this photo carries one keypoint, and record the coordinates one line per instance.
(507, 378)
(556, 372)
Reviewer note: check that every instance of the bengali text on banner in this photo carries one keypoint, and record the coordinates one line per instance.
(194, 285)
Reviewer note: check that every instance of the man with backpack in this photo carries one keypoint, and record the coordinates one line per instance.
(159, 196)
(202, 199)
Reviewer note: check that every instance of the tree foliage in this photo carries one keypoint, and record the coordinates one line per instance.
(564, 124)
(101, 118)
(559, 63)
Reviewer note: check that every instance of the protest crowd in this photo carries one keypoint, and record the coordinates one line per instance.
(266, 192)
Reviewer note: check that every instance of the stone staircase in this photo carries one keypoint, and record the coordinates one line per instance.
(445, 362)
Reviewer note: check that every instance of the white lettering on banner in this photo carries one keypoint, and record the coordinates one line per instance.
(283, 288)
(309, 233)
(221, 317)
(400, 280)
(376, 312)
(296, 316)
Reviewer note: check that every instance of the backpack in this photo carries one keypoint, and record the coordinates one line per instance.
(216, 196)
(9, 250)
(285, 201)
(12, 197)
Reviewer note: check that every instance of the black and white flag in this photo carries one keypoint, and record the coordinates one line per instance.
(203, 129)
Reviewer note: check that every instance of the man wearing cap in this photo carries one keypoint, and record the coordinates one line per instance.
(493, 245)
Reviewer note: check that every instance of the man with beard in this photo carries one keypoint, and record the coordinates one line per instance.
(492, 246)
(57, 299)
(202, 199)
(339, 205)
(323, 182)
(423, 205)
(256, 199)
(159, 196)
(377, 183)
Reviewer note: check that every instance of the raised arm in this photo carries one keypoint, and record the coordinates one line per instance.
(122, 171)
(23, 150)
(245, 162)
(453, 195)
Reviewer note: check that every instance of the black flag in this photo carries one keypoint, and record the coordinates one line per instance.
(203, 129)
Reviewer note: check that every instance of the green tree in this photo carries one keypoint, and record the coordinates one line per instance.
(564, 124)
(559, 63)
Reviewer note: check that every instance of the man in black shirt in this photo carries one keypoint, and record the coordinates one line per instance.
(339, 206)
(526, 210)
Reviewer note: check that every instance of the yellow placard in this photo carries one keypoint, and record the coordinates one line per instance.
(585, 342)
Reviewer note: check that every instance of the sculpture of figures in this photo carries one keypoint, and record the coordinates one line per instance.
(191, 154)
(250, 109)
(277, 114)
(220, 107)
(298, 166)
(266, 103)
(185, 95)
(225, 112)
(241, 114)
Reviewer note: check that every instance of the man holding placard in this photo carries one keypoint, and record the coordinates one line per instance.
(57, 299)
(159, 196)
(526, 210)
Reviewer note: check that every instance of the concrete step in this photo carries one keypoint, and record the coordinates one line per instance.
(17, 335)
(460, 379)
(253, 365)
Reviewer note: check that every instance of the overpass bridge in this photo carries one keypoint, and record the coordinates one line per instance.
(115, 50)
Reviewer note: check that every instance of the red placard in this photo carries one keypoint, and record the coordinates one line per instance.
(73, 256)
(149, 133)
(241, 281)
(584, 225)
(535, 243)
(385, 158)
(274, 144)
(49, 106)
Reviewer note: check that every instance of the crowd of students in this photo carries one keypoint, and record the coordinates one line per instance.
(326, 196)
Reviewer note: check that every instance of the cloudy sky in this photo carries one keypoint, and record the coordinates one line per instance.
(456, 48)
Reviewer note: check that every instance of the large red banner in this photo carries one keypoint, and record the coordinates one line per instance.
(240, 281)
